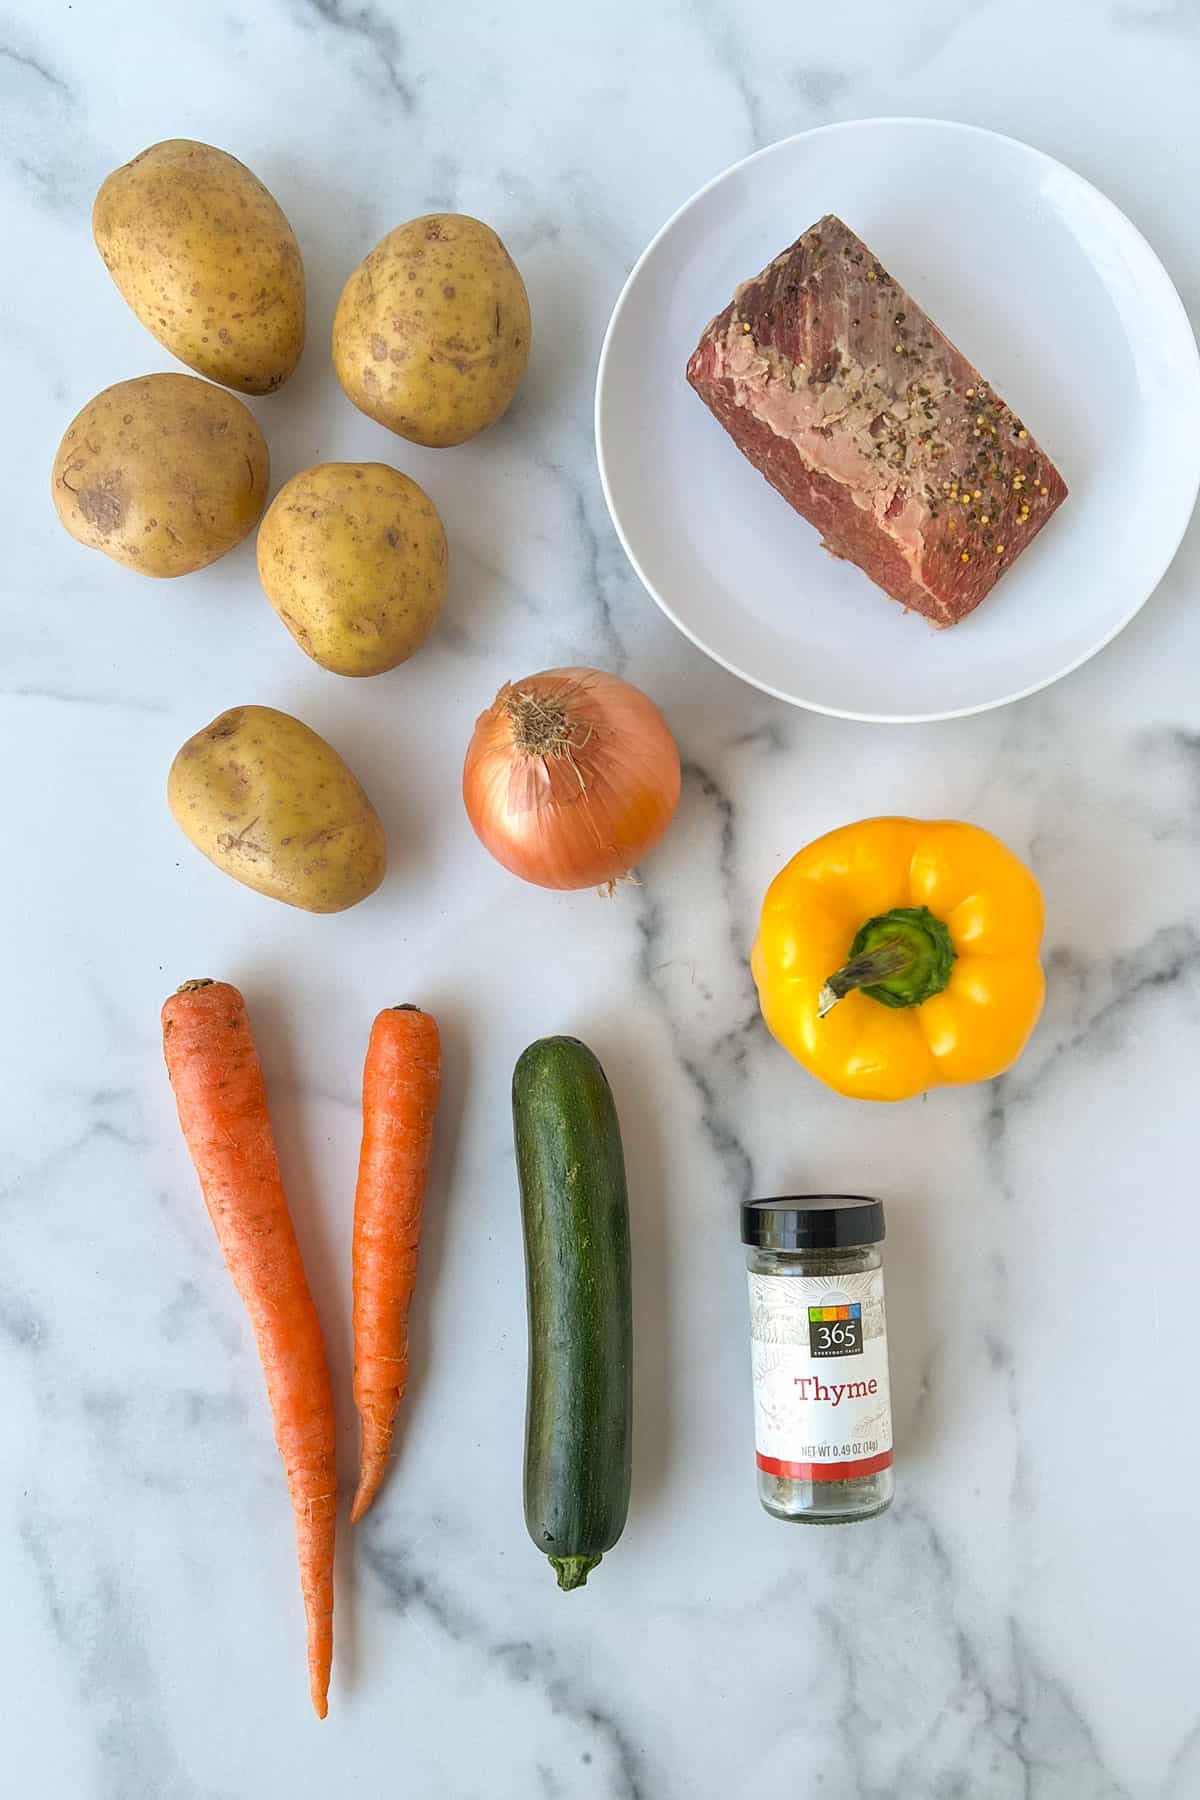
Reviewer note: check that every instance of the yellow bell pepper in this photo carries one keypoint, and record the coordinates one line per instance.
(897, 955)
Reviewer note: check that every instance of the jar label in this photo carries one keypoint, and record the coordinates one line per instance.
(822, 1401)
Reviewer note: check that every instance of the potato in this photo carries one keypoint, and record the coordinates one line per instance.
(431, 334)
(274, 805)
(352, 556)
(164, 474)
(207, 261)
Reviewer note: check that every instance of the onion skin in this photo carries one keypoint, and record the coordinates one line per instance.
(571, 777)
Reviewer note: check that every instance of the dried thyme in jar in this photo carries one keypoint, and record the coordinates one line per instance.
(818, 1333)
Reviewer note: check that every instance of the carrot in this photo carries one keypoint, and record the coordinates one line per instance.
(401, 1078)
(215, 1071)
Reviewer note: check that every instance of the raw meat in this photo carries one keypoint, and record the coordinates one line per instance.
(852, 403)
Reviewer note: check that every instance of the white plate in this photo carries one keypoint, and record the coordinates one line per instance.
(1058, 301)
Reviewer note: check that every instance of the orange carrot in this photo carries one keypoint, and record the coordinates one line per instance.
(401, 1078)
(215, 1071)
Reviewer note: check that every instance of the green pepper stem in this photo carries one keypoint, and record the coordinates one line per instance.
(863, 971)
(899, 958)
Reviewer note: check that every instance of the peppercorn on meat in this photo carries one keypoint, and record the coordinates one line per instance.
(831, 380)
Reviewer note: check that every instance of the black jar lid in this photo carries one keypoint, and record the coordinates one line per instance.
(812, 1222)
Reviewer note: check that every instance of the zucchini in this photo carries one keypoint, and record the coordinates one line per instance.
(575, 1218)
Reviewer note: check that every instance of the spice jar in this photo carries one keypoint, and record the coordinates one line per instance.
(818, 1334)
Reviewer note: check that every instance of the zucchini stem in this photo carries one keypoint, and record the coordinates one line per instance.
(573, 1571)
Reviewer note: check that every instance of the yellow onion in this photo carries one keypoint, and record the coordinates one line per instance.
(571, 777)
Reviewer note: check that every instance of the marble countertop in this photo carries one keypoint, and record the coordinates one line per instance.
(1023, 1623)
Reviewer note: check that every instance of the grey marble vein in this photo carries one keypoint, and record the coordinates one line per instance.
(42, 139)
(773, 735)
(711, 1056)
(1101, 998)
(1008, 1728)
(1089, 1002)
(191, 1310)
(443, 179)
(1173, 750)
(1183, 1772)
(604, 645)
(822, 85)
(1056, 1744)
(726, 39)
(20, 1323)
(36, 1174)
(101, 1640)
(23, 60)
(66, 697)
(535, 1665)
(370, 29)
(409, 1587)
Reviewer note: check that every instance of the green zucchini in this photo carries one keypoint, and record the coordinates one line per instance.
(576, 1224)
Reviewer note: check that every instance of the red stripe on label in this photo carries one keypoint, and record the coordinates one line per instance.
(825, 1471)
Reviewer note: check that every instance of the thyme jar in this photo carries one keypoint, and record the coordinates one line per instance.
(818, 1336)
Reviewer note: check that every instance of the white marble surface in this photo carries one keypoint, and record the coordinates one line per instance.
(1023, 1624)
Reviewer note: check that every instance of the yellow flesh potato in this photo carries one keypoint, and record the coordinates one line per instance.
(431, 334)
(208, 262)
(164, 474)
(274, 805)
(352, 556)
